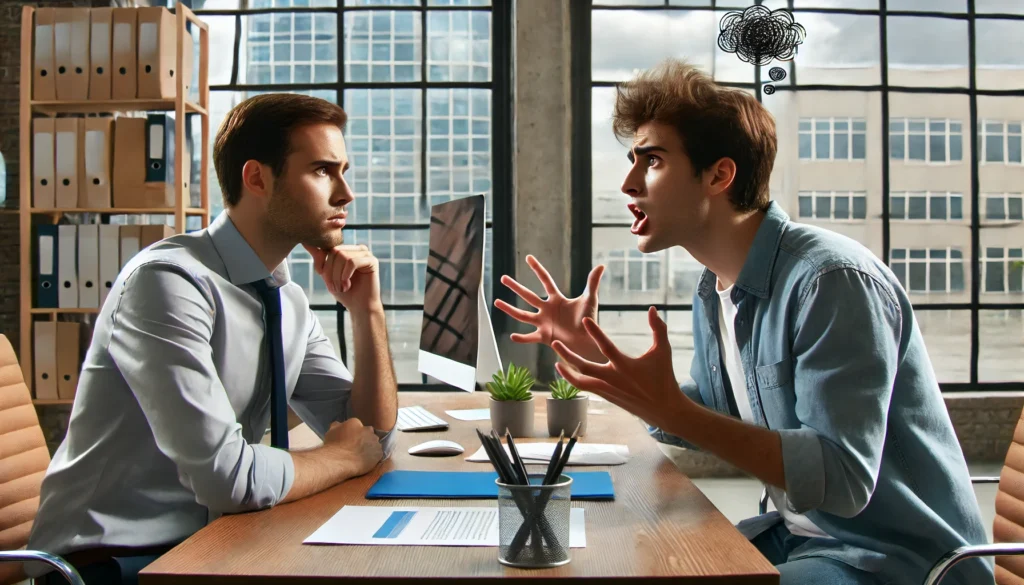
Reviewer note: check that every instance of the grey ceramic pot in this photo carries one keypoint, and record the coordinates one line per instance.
(564, 415)
(514, 415)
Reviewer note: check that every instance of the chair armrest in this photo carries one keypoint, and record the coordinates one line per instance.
(60, 565)
(977, 480)
(946, 563)
(762, 504)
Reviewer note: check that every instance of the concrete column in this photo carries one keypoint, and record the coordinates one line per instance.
(542, 156)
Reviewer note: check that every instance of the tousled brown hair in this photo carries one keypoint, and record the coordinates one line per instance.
(713, 122)
(259, 129)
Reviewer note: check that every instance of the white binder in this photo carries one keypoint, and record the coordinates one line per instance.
(43, 188)
(110, 258)
(88, 266)
(67, 275)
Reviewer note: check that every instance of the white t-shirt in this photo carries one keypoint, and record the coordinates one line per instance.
(797, 524)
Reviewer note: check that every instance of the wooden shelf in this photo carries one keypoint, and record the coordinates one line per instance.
(7, 211)
(120, 210)
(58, 401)
(29, 108)
(74, 311)
(107, 106)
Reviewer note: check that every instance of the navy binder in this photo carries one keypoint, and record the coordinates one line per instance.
(476, 485)
(46, 266)
(160, 148)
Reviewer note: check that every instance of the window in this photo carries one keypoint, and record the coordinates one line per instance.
(923, 205)
(633, 271)
(936, 270)
(926, 140)
(417, 81)
(833, 205)
(1003, 270)
(999, 142)
(1003, 206)
(874, 83)
(832, 138)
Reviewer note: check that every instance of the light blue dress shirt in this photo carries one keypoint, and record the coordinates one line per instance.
(174, 399)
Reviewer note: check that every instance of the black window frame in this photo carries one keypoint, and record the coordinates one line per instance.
(500, 85)
(583, 85)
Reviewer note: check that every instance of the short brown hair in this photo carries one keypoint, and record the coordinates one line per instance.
(713, 122)
(259, 129)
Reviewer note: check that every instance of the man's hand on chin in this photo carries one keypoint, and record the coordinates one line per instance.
(351, 274)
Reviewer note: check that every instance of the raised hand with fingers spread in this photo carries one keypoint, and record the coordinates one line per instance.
(558, 318)
(645, 386)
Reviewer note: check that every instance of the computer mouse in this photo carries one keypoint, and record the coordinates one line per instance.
(438, 447)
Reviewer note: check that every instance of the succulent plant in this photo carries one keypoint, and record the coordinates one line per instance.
(561, 389)
(513, 385)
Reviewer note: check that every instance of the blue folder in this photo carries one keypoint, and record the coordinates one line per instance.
(471, 485)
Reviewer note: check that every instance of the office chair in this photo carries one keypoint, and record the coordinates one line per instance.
(1007, 529)
(23, 462)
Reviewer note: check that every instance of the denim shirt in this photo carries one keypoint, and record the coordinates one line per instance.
(836, 364)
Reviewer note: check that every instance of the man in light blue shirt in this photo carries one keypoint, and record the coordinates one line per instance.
(177, 387)
(809, 370)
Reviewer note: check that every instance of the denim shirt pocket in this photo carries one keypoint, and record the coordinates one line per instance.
(776, 393)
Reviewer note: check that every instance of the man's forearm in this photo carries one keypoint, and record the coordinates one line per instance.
(313, 476)
(753, 449)
(374, 386)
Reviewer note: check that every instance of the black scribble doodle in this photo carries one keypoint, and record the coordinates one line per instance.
(777, 73)
(769, 89)
(758, 35)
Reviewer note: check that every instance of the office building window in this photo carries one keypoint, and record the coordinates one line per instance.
(833, 205)
(872, 82)
(935, 270)
(832, 138)
(925, 206)
(1003, 206)
(999, 142)
(1004, 270)
(926, 140)
(630, 270)
(418, 81)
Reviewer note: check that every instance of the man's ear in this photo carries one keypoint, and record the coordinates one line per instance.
(257, 179)
(721, 175)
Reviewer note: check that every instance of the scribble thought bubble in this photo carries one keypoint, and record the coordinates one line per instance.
(758, 35)
(777, 73)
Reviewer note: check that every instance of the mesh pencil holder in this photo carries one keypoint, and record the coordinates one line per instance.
(533, 523)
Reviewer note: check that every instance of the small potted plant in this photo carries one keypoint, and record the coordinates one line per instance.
(511, 401)
(566, 409)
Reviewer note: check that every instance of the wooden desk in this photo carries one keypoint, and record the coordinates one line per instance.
(659, 526)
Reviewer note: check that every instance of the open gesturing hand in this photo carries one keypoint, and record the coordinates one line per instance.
(557, 318)
(645, 386)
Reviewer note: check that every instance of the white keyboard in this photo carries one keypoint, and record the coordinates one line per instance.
(417, 418)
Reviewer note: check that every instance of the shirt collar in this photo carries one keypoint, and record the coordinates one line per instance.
(756, 274)
(241, 261)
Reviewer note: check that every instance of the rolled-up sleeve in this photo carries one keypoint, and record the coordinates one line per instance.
(323, 391)
(160, 341)
(688, 387)
(845, 351)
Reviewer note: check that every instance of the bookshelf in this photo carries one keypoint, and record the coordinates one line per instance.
(29, 216)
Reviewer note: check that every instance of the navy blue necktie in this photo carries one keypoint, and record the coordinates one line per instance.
(271, 297)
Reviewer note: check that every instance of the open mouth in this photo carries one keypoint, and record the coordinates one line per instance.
(640, 220)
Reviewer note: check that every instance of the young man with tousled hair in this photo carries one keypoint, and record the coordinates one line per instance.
(809, 370)
(176, 390)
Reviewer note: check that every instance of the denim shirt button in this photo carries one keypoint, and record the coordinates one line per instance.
(714, 368)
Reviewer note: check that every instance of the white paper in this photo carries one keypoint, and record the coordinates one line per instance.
(477, 526)
(474, 414)
(582, 453)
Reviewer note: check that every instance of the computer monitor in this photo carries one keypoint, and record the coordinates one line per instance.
(457, 344)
